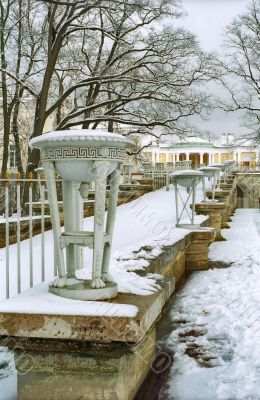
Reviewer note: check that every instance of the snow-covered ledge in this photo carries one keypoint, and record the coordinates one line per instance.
(146, 263)
(38, 314)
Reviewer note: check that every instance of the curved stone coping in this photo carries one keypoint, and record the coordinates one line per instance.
(187, 173)
(210, 207)
(79, 138)
(227, 162)
(220, 165)
(209, 169)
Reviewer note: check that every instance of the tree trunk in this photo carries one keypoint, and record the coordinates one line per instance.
(6, 116)
(15, 133)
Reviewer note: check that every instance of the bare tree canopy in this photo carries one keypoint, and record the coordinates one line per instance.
(117, 64)
(242, 67)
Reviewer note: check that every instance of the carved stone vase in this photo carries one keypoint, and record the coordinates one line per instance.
(80, 157)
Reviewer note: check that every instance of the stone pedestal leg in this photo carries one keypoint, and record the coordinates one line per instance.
(111, 214)
(71, 202)
(204, 188)
(99, 216)
(54, 210)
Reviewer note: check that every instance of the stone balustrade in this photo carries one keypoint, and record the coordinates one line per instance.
(220, 212)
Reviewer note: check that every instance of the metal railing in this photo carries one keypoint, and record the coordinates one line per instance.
(17, 223)
(160, 173)
(247, 169)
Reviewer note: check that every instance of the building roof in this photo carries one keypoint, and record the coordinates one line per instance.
(189, 141)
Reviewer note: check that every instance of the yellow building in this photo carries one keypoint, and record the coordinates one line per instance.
(201, 152)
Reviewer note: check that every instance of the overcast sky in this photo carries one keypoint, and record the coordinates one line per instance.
(208, 19)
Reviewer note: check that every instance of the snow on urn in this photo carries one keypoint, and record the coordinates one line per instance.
(187, 179)
(80, 157)
(222, 168)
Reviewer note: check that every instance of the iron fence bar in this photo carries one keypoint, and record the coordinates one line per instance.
(31, 233)
(18, 235)
(7, 228)
(42, 195)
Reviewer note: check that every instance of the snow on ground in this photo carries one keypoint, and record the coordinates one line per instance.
(142, 227)
(8, 376)
(216, 321)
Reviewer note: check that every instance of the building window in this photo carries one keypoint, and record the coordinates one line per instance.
(12, 156)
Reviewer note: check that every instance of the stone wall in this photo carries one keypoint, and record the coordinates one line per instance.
(248, 184)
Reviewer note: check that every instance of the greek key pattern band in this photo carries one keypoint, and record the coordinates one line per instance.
(83, 153)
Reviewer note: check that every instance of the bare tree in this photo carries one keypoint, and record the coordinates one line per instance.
(72, 23)
(115, 64)
(19, 50)
(135, 73)
(242, 67)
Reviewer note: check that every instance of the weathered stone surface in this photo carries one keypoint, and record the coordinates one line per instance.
(224, 197)
(196, 257)
(88, 376)
(214, 211)
(95, 354)
(226, 186)
(91, 328)
(171, 263)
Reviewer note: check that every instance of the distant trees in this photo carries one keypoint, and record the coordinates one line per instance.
(19, 47)
(114, 64)
(242, 67)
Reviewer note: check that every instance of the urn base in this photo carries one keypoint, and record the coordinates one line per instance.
(82, 290)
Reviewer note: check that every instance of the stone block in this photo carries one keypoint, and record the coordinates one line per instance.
(113, 374)
(196, 256)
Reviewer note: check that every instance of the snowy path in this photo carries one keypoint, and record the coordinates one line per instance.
(216, 322)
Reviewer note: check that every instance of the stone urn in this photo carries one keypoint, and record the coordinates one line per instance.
(188, 179)
(127, 174)
(80, 157)
(229, 166)
(213, 175)
(222, 167)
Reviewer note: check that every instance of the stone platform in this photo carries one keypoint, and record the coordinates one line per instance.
(104, 328)
(102, 350)
(63, 319)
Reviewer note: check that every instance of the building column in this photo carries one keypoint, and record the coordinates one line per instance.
(178, 157)
(201, 158)
(187, 155)
(212, 158)
(239, 157)
(153, 158)
(166, 157)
